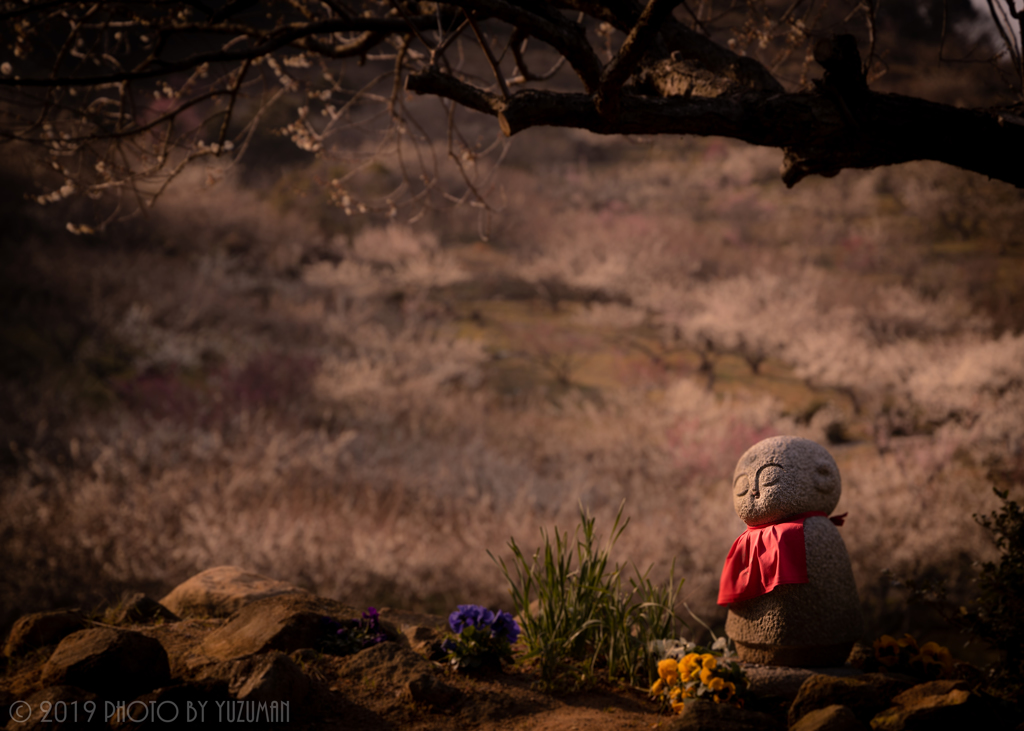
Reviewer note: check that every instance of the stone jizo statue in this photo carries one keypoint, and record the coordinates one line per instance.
(787, 580)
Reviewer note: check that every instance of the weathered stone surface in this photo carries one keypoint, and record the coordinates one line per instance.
(223, 590)
(779, 681)
(57, 708)
(40, 629)
(138, 608)
(782, 476)
(830, 718)
(275, 678)
(285, 622)
(866, 695)
(175, 706)
(923, 691)
(813, 624)
(112, 663)
(806, 656)
(939, 704)
(701, 715)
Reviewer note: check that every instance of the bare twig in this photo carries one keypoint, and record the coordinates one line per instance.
(231, 104)
(490, 56)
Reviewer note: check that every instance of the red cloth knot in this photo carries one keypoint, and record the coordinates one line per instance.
(766, 556)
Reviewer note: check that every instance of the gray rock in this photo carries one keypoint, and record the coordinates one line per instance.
(57, 708)
(830, 718)
(813, 624)
(222, 591)
(275, 678)
(40, 629)
(866, 695)
(939, 704)
(176, 706)
(286, 622)
(780, 681)
(115, 664)
(138, 608)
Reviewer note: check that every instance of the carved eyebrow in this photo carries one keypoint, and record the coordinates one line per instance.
(765, 466)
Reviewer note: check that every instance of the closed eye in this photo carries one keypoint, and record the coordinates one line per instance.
(741, 486)
(769, 475)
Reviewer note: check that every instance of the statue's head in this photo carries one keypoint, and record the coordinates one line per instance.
(783, 476)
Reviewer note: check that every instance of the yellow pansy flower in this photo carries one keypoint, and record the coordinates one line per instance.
(934, 654)
(907, 641)
(706, 675)
(887, 650)
(678, 707)
(731, 688)
(668, 670)
(657, 686)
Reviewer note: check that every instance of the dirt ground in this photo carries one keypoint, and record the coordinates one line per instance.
(370, 690)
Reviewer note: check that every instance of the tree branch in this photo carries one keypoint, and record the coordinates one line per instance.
(636, 45)
(500, 77)
(382, 27)
(564, 36)
(808, 126)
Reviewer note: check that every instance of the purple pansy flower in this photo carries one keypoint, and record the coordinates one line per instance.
(470, 615)
(505, 625)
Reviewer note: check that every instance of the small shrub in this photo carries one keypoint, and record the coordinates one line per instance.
(582, 614)
(997, 619)
(994, 616)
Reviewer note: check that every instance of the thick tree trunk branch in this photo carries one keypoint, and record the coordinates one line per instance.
(636, 45)
(435, 82)
(685, 51)
(816, 135)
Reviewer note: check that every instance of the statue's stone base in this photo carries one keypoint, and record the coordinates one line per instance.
(807, 656)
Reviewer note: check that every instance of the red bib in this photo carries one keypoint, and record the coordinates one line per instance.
(767, 556)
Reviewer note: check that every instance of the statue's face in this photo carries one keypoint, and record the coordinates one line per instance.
(783, 476)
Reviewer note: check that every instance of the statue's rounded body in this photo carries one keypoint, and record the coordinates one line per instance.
(816, 623)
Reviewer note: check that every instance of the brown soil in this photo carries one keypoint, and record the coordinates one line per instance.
(355, 694)
(493, 700)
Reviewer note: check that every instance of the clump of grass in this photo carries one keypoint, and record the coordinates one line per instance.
(581, 619)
